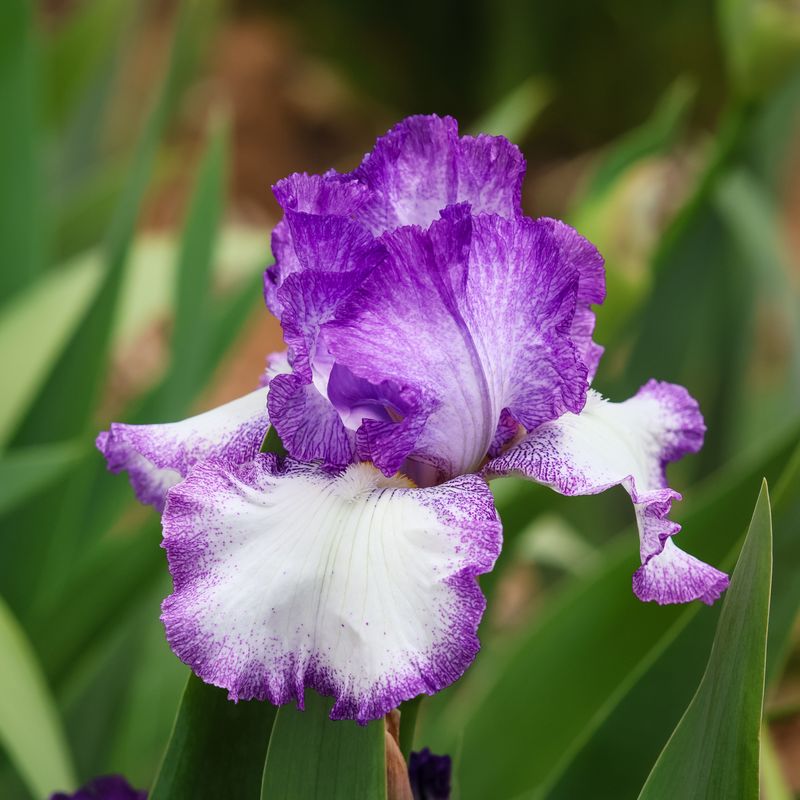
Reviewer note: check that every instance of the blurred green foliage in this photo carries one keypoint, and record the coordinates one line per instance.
(689, 110)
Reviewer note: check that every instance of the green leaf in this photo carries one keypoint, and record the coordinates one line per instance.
(64, 407)
(34, 331)
(312, 756)
(714, 751)
(191, 336)
(30, 729)
(78, 51)
(25, 472)
(542, 673)
(100, 590)
(761, 42)
(515, 114)
(619, 753)
(655, 136)
(751, 216)
(272, 443)
(217, 748)
(409, 711)
(21, 209)
(147, 711)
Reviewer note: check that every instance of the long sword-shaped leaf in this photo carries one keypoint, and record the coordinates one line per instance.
(618, 755)
(714, 752)
(35, 328)
(77, 53)
(217, 747)
(311, 756)
(30, 729)
(191, 335)
(64, 407)
(21, 211)
(24, 472)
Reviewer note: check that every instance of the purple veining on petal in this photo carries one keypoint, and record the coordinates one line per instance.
(156, 457)
(105, 787)
(310, 202)
(421, 166)
(628, 443)
(337, 257)
(374, 603)
(467, 319)
(584, 257)
(507, 432)
(309, 426)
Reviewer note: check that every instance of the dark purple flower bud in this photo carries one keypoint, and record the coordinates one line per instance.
(106, 787)
(429, 775)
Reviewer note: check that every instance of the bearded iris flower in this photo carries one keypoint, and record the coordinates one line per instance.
(437, 338)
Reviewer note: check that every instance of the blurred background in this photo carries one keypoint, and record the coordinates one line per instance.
(138, 145)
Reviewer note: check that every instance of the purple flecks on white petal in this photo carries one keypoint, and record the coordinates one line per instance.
(157, 457)
(290, 576)
(627, 444)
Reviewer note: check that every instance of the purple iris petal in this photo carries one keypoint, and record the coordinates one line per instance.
(429, 775)
(308, 425)
(106, 787)
(310, 202)
(456, 334)
(422, 166)
(156, 457)
(467, 319)
(585, 258)
(628, 444)
(417, 169)
(362, 587)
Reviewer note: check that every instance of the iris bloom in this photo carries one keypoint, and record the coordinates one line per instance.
(106, 787)
(437, 338)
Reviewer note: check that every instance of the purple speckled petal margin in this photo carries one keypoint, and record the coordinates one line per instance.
(290, 576)
(628, 443)
(156, 457)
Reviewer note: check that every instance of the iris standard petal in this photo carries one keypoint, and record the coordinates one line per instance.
(318, 212)
(157, 457)
(421, 166)
(289, 576)
(630, 444)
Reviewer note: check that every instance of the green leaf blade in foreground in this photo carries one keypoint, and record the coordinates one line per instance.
(217, 748)
(311, 756)
(30, 729)
(714, 751)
